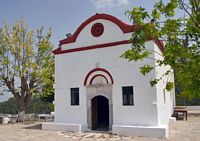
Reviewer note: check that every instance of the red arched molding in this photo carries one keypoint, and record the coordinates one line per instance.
(97, 76)
(98, 69)
(123, 26)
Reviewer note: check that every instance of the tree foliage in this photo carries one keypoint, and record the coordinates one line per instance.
(181, 36)
(36, 105)
(26, 62)
(47, 94)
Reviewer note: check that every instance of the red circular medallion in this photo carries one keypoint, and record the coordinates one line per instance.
(97, 29)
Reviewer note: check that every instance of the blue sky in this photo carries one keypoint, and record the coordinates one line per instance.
(63, 16)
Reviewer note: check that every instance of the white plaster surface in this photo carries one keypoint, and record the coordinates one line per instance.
(150, 131)
(61, 126)
(149, 109)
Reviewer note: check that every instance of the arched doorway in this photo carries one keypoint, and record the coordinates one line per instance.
(100, 113)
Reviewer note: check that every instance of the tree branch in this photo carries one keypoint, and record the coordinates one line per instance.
(192, 18)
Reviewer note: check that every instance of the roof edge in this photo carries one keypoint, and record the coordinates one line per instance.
(58, 51)
(126, 28)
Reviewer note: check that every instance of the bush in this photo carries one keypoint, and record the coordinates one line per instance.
(36, 105)
(185, 101)
(9, 107)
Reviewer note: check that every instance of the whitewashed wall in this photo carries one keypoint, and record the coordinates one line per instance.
(72, 68)
(112, 33)
(165, 105)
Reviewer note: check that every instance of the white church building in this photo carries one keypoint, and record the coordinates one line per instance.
(95, 89)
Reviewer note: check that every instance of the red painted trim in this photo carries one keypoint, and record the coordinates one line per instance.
(123, 26)
(59, 51)
(97, 76)
(160, 44)
(98, 69)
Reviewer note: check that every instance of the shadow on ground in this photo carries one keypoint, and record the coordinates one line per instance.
(35, 127)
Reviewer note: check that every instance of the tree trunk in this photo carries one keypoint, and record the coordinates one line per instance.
(21, 112)
(22, 105)
(21, 116)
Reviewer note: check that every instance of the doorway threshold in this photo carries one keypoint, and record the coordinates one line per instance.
(99, 131)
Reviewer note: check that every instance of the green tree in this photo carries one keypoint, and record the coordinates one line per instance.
(26, 62)
(36, 105)
(182, 41)
(47, 94)
(9, 107)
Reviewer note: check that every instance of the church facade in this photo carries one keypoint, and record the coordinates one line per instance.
(95, 89)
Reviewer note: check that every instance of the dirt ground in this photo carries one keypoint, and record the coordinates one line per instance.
(31, 131)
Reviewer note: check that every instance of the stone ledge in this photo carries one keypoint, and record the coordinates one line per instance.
(150, 131)
(61, 126)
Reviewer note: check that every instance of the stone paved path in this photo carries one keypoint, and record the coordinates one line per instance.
(95, 136)
(179, 131)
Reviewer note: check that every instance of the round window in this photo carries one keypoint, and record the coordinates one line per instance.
(97, 29)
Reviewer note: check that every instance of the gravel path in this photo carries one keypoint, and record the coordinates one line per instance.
(180, 131)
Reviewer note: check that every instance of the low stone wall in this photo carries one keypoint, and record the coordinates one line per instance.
(193, 107)
(193, 110)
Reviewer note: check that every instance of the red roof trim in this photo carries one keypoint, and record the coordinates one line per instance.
(98, 69)
(160, 44)
(59, 51)
(123, 26)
